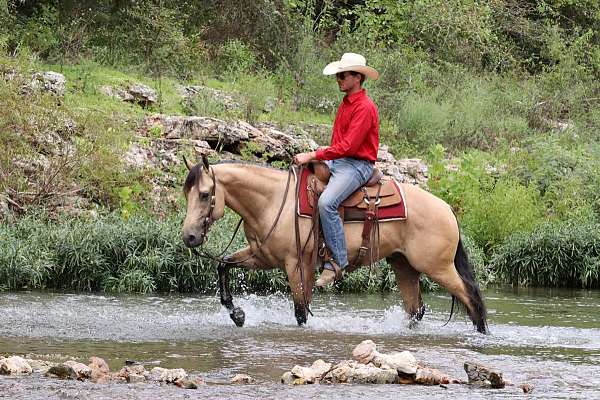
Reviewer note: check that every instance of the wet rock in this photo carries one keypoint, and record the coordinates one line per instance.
(186, 383)
(83, 371)
(404, 362)
(159, 374)
(287, 378)
(311, 374)
(479, 374)
(431, 376)
(62, 371)
(355, 372)
(242, 379)
(526, 387)
(14, 365)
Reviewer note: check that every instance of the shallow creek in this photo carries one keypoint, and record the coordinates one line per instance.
(548, 338)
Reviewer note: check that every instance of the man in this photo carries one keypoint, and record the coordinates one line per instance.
(350, 157)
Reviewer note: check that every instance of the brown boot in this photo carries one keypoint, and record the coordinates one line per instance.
(327, 277)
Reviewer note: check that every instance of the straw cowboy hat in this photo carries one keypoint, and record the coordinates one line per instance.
(351, 62)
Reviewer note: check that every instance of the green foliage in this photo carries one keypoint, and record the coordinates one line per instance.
(235, 58)
(555, 255)
(490, 207)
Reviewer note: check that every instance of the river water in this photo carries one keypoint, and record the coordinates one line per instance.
(547, 338)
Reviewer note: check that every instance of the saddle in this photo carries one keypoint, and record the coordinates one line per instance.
(380, 199)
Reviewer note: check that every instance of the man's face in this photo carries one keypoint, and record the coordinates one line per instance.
(347, 82)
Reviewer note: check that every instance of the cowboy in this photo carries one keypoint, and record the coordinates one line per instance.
(350, 157)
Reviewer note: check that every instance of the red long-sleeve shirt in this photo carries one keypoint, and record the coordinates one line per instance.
(355, 130)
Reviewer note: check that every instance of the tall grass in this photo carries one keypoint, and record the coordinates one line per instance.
(140, 254)
(554, 255)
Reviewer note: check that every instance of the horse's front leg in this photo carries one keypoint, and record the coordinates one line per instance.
(301, 283)
(235, 313)
(243, 258)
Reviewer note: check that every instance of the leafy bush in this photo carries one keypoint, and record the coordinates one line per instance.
(555, 255)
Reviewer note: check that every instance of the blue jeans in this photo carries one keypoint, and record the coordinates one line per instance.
(347, 175)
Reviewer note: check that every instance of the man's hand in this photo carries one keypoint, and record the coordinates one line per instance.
(303, 158)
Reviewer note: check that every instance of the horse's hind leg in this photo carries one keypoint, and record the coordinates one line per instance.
(448, 277)
(407, 280)
(235, 313)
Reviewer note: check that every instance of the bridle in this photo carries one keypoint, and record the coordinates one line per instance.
(209, 220)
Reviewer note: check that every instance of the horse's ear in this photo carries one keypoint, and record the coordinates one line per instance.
(187, 164)
(205, 162)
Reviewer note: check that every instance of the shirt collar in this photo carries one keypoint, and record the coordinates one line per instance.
(355, 96)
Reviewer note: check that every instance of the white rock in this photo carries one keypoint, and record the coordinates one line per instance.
(14, 365)
(167, 375)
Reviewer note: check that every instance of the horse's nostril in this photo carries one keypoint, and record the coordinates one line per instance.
(191, 238)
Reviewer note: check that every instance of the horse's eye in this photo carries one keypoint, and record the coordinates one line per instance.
(204, 195)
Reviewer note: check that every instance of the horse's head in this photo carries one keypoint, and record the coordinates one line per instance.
(205, 202)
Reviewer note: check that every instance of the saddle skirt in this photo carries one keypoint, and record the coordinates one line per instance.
(392, 205)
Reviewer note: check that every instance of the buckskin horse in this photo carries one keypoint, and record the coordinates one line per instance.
(427, 242)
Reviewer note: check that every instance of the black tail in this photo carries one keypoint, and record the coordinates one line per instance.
(465, 270)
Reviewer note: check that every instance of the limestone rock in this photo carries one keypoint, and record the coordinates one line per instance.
(14, 365)
(159, 374)
(142, 94)
(100, 370)
(242, 379)
(365, 351)
(82, 370)
(404, 362)
(40, 365)
(134, 93)
(129, 370)
(136, 378)
(354, 372)
(313, 373)
(49, 81)
(228, 101)
(481, 375)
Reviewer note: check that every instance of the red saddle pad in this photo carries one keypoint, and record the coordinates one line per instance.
(351, 214)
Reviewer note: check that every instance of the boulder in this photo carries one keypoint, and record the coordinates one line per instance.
(14, 365)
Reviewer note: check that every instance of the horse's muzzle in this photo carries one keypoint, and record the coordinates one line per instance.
(191, 240)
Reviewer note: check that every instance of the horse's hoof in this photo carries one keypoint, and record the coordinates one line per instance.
(238, 316)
